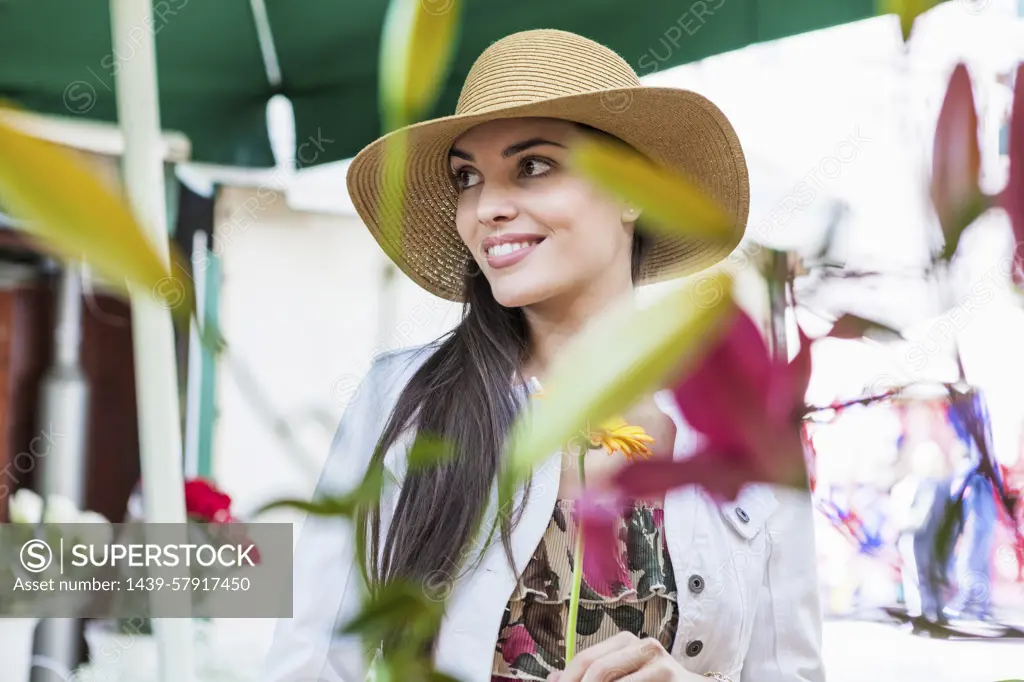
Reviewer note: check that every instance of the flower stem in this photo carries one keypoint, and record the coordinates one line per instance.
(577, 572)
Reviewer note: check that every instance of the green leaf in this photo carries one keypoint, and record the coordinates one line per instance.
(400, 604)
(407, 668)
(380, 671)
(429, 450)
(617, 358)
(416, 51)
(368, 492)
(907, 10)
(396, 153)
(75, 216)
(672, 202)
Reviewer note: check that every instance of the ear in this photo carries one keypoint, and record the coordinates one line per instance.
(630, 214)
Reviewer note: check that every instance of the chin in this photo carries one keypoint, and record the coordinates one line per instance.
(513, 295)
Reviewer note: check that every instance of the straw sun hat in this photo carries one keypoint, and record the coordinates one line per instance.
(560, 75)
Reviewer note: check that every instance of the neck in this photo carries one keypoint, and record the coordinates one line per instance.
(555, 321)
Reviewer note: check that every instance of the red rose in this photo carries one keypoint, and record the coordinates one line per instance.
(205, 502)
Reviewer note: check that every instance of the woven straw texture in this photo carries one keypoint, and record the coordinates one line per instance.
(554, 74)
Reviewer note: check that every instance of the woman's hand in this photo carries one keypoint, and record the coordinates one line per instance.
(628, 658)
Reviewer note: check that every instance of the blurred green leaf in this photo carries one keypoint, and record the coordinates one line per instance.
(613, 361)
(407, 668)
(417, 47)
(368, 492)
(392, 198)
(400, 604)
(416, 51)
(380, 671)
(76, 216)
(907, 10)
(672, 202)
(429, 450)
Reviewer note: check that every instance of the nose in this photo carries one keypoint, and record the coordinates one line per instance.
(495, 205)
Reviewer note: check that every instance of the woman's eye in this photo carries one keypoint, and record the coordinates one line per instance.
(464, 178)
(535, 167)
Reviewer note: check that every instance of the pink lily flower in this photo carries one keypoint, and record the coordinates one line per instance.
(956, 161)
(603, 563)
(748, 407)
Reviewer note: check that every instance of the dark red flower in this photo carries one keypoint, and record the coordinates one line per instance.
(205, 502)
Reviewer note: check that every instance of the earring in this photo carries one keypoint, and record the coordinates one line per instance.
(630, 214)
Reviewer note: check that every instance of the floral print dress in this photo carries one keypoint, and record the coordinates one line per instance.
(531, 641)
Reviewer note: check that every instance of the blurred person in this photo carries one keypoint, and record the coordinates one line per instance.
(919, 501)
(978, 525)
(979, 510)
(494, 219)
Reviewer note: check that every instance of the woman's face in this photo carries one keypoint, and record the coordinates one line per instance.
(516, 191)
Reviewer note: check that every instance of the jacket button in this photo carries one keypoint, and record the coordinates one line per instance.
(695, 647)
(743, 516)
(696, 584)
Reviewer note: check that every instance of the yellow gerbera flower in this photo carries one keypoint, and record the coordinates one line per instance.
(615, 435)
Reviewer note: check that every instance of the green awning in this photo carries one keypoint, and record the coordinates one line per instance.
(56, 57)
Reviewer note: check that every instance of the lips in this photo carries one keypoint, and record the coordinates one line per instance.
(511, 238)
(507, 257)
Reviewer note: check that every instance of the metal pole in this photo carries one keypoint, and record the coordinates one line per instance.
(64, 409)
(160, 440)
(194, 390)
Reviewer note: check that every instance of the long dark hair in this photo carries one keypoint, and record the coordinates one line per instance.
(464, 394)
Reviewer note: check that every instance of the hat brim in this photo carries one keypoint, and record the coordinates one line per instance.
(678, 128)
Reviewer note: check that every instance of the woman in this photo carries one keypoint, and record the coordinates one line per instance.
(494, 219)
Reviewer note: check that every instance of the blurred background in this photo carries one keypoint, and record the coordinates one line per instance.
(836, 114)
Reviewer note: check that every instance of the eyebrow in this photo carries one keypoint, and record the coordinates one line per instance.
(511, 150)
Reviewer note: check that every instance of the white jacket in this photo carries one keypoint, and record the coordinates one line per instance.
(748, 589)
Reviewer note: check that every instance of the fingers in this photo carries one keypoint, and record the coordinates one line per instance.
(610, 660)
(575, 671)
(659, 671)
(636, 659)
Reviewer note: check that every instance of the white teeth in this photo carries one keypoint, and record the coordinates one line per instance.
(502, 249)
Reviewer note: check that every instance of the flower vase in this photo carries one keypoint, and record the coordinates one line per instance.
(17, 636)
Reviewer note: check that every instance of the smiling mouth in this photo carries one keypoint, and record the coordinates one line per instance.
(505, 249)
(506, 255)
